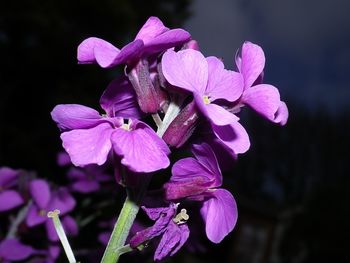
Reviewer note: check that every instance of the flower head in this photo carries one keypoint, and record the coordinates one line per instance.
(44, 200)
(210, 83)
(263, 98)
(89, 137)
(172, 227)
(198, 179)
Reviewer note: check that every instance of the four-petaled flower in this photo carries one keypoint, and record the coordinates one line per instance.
(170, 225)
(44, 200)
(89, 137)
(198, 179)
(210, 83)
(263, 98)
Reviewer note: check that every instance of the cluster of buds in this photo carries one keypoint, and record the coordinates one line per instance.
(168, 78)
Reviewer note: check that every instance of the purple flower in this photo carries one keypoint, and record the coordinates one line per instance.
(172, 227)
(198, 179)
(210, 84)
(44, 201)
(9, 198)
(88, 179)
(13, 250)
(152, 38)
(263, 98)
(89, 137)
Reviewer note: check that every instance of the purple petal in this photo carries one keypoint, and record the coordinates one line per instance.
(233, 136)
(75, 116)
(252, 63)
(86, 49)
(185, 233)
(186, 69)
(119, 99)
(63, 159)
(51, 231)
(8, 177)
(86, 186)
(76, 173)
(189, 178)
(206, 157)
(172, 240)
(54, 252)
(70, 226)
(151, 29)
(169, 39)
(141, 149)
(128, 53)
(226, 157)
(89, 146)
(222, 83)
(105, 54)
(35, 216)
(155, 213)
(263, 98)
(62, 200)
(282, 114)
(219, 214)
(40, 191)
(157, 229)
(9, 199)
(13, 250)
(215, 113)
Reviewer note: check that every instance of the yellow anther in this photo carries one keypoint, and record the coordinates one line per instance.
(206, 100)
(181, 217)
(126, 127)
(53, 214)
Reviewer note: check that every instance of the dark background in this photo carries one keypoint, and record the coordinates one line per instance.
(292, 187)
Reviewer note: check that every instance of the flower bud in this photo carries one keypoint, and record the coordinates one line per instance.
(182, 127)
(148, 95)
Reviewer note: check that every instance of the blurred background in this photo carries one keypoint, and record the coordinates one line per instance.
(293, 185)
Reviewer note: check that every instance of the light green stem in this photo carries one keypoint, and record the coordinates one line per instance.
(120, 232)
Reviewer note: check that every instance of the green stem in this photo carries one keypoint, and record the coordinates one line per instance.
(120, 232)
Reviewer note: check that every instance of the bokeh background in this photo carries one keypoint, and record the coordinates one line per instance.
(292, 187)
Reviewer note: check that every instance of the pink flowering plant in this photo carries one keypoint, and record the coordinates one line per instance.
(171, 97)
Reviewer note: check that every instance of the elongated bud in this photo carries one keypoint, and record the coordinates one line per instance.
(182, 127)
(148, 95)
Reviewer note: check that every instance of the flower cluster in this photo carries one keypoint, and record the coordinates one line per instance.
(166, 75)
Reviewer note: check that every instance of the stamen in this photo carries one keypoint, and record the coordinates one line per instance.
(181, 217)
(206, 99)
(61, 234)
(126, 126)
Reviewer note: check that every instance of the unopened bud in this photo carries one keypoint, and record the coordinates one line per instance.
(182, 127)
(147, 96)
